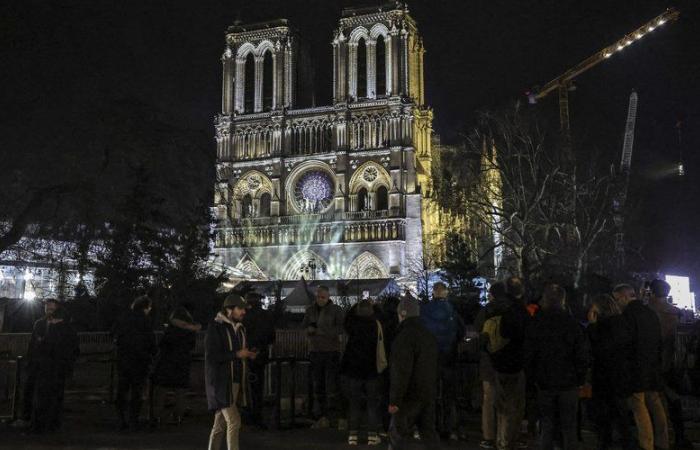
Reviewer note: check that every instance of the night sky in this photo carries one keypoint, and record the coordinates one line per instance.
(59, 57)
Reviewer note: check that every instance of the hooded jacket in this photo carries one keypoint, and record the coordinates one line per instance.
(222, 368)
(414, 364)
(328, 321)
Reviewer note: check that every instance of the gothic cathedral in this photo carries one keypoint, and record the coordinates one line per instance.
(329, 192)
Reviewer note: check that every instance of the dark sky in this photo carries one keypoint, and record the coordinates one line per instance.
(58, 57)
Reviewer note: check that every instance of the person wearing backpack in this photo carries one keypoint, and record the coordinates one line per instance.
(441, 319)
(503, 332)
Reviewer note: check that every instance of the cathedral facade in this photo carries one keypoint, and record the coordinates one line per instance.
(336, 191)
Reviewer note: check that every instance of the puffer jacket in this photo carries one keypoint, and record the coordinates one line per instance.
(414, 364)
(329, 326)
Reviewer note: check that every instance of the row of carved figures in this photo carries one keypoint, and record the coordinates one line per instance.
(312, 233)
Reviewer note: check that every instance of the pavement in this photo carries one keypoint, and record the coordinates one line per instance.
(90, 424)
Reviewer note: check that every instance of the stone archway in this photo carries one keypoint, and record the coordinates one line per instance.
(294, 268)
(367, 266)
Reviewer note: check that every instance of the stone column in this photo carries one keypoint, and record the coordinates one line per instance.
(371, 68)
(240, 85)
(258, 83)
(227, 82)
(352, 70)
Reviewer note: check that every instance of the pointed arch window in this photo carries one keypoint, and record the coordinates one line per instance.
(247, 207)
(382, 198)
(265, 201)
(249, 90)
(362, 200)
(381, 66)
(361, 68)
(267, 81)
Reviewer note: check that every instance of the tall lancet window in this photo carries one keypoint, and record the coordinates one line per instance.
(381, 67)
(361, 68)
(267, 81)
(249, 94)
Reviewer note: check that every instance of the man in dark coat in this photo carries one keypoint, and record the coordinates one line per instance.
(669, 318)
(53, 360)
(643, 361)
(556, 360)
(172, 368)
(323, 322)
(260, 327)
(414, 363)
(39, 330)
(504, 334)
(136, 347)
(441, 319)
(226, 371)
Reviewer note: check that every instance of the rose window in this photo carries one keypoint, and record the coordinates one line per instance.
(313, 192)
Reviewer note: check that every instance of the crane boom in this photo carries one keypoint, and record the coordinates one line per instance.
(628, 142)
(563, 82)
(624, 180)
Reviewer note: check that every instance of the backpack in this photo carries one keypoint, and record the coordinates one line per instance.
(439, 318)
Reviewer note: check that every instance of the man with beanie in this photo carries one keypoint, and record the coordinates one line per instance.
(414, 363)
(226, 365)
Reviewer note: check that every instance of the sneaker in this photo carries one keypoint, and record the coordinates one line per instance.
(373, 439)
(416, 435)
(321, 423)
(352, 439)
(487, 444)
(21, 423)
(342, 424)
(454, 437)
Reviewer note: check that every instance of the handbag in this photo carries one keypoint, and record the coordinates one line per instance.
(382, 363)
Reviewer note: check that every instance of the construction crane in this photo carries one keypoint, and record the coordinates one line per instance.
(563, 83)
(624, 174)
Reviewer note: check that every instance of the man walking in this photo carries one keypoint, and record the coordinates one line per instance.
(669, 317)
(440, 318)
(226, 360)
(556, 360)
(323, 322)
(414, 363)
(136, 347)
(260, 328)
(642, 347)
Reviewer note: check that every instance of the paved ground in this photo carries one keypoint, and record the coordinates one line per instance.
(90, 425)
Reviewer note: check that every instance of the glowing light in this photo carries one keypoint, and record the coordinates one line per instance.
(29, 295)
(607, 54)
(314, 191)
(651, 28)
(28, 275)
(661, 21)
(680, 291)
(620, 46)
(681, 170)
(638, 35)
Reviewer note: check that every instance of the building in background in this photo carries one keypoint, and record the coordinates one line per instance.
(326, 192)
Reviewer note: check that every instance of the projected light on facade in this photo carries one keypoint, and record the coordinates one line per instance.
(313, 191)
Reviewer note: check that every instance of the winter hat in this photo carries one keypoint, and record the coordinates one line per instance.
(235, 301)
(408, 307)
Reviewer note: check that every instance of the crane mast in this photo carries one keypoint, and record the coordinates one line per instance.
(625, 165)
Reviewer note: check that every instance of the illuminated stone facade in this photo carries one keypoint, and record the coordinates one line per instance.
(331, 191)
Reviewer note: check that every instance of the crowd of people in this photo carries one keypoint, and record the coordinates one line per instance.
(389, 371)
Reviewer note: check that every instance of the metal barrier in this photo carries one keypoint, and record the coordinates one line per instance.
(10, 376)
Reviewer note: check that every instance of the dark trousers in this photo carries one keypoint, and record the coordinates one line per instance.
(28, 394)
(558, 411)
(674, 406)
(48, 402)
(422, 414)
(257, 389)
(447, 410)
(324, 368)
(129, 393)
(356, 389)
(610, 413)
